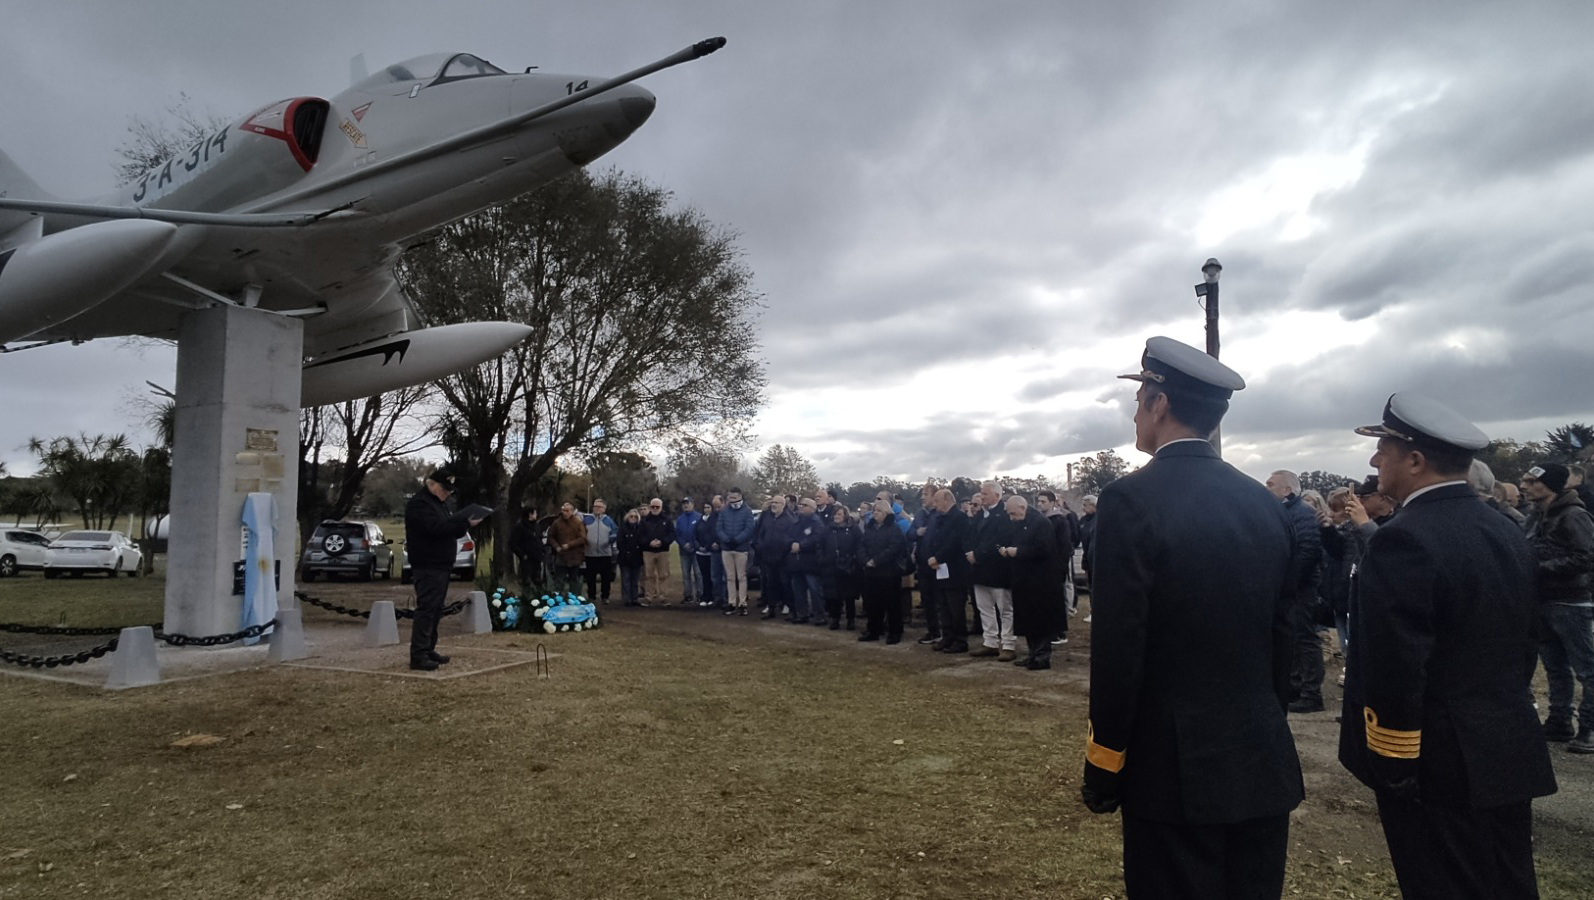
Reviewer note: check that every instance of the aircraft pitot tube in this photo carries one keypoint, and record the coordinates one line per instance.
(50, 280)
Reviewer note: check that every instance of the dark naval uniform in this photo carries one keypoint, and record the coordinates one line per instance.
(1189, 670)
(432, 528)
(1438, 716)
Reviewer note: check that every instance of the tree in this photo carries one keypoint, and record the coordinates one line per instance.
(782, 470)
(623, 480)
(640, 318)
(1093, 473)
(368, 432)
(1508, 459)
(964, 487)
(1570, 443)
(99, 474)
(390, 483)
(151, 142)
(700, 471)
(1324, 482)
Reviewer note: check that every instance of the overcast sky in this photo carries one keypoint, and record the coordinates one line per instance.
(966, 218)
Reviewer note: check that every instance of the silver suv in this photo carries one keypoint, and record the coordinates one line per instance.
(347, 548)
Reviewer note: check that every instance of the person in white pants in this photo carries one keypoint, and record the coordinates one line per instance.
(993, 575)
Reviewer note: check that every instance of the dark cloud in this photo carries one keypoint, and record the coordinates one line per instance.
(923, 183)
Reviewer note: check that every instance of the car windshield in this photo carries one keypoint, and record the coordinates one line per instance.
(99, 536)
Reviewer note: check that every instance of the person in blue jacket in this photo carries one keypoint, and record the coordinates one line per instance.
(734, 529)
(686, 546)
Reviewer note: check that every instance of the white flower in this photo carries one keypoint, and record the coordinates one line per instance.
(549, 627)
(564, 627)
(540, 613)
(497, 602)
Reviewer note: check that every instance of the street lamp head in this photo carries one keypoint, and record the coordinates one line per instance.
(1211, 270)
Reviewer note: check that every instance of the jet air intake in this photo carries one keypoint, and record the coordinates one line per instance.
(266, 151)
(48, 281)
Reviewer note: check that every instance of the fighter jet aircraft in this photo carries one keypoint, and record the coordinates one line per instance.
(301, 207)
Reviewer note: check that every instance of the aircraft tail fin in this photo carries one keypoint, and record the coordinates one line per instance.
(357, 71)
(15, 183)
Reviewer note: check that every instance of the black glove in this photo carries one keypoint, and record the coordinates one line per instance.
(1099, 790)
(1395, 777)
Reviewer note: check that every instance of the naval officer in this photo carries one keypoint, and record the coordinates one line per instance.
(1438, 718)
(1191, 648)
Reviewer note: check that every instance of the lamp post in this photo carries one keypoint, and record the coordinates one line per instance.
(1207, 290)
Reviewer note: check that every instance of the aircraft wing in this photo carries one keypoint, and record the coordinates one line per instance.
(173, 216)
(345, 290)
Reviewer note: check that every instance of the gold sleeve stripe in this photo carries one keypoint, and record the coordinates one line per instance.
(1099, 756)
(1390, 742)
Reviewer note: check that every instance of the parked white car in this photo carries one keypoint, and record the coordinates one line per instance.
(77, 552)
(21, 551)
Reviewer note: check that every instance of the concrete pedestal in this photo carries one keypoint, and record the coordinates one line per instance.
(475, 618)
(287, 637)
(382, 629)
(133, 664)
(237, 432)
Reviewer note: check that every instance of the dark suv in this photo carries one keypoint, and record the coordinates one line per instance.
(347, 548)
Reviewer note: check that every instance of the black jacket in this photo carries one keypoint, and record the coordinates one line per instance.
(921, 535)
(524, 540)
(772, 540)
(705, 535)
(1191, 642)
(1343, 546)
(948, 546)
(1442, 649)
(656, 528)
(988, 532)
(1308, 542)
(884, 544)
(840, 552)
(1037, 574)
(808, 533)
(1087, 538)
(1563, 542)
(432, 531)
(628, 548)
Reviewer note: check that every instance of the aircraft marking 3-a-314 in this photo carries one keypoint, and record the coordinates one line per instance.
(302, 207)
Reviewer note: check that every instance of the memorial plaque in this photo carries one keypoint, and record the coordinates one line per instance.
(263, 440)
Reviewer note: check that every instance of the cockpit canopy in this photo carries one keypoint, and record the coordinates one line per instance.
(433, 68)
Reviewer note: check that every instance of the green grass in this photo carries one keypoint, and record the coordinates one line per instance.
(672, 754)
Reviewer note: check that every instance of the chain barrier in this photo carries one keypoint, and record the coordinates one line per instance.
(451, 609)
(15, 628)
(50, 662)
(83, 656)
(213, 640)
(333, 607)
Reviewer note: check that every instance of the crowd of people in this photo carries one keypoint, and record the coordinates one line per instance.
(998, 567)
(1551, 505)
(1000, 561)
(1211, 596)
